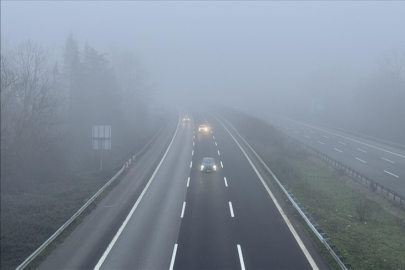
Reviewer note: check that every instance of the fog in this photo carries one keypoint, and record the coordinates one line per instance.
(266, 55)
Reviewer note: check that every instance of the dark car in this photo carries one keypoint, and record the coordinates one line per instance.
(208, 165)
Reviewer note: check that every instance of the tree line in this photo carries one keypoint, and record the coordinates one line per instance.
(47, 111)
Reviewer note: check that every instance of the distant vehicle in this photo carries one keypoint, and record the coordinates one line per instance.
(203, 128)
(208, 165)
(186, 119)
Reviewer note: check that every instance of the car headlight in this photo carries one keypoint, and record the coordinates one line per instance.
(215, 167)
(202, 167)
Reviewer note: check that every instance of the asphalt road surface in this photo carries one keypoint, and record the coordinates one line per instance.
(381, 163)
(167, 214)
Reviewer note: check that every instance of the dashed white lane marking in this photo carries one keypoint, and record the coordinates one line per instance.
(216, 144)
(242, 263)
(226, 183)
(193, 143)
(296, 131)
(391, 174)
(193, 137)
(308, 137)
(339, 150)
(361, 160)
(218, 153)
(388, 160)
(222, 165)
(364, 151)
(231, 209)
(302, 128)
(182, 211)
(211, 131)
(347, 138)
(287, 221)
(173, 257)
(117, 235)
(325, 137)
(341, 142)
(192, 152)
(213, 137)
(188, 181)
(191, 164)
(320, 142)
(312, 131)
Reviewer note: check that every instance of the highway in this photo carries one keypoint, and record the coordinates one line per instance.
(167, 214)
(379, 162)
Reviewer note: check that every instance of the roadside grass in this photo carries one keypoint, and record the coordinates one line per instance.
(27, 220)
(355, 219)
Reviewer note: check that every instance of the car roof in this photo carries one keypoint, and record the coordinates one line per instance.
(208, 159)
(202, 125)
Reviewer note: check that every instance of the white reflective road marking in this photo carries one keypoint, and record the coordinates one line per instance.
(352, 139)
(173, 257)
(364, 151)
(231, 209)
(188, 181)
(218, 153)
(191, 164)
(312, 131)
(361, 160)
(192, 152)
(226, 183)
(182, 211)
(341, 142)
(117, 235)
(391, 174)
(325, 137)
(193, 143)
(213, 137)
(308, 137)
(320, 142)
(222, 165)
(296, 131)
(339, 150)
(388, 160)
(287, 221)
(193, 137)
(216, 144)
(242, 263)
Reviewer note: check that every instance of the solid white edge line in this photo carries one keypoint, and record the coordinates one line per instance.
(188, 181)
(242, 263)
(191, 164)
(350, 139)
(117, 235)
(361, 160)
(231, 209)
(286, 220)
(362, 150)
(182, 210)
(226, 183)
(388, 160)
(173, 257)
(391, 174)
(339, 150)
(222, 165)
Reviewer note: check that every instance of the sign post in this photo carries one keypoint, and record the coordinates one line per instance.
(101, 140)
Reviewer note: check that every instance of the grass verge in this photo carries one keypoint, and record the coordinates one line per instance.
(360, 224)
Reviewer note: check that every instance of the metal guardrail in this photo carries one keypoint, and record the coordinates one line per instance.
(322, 236)
(377, 187)
(67, 223)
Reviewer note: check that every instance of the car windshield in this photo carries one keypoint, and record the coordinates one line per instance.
(208, 160)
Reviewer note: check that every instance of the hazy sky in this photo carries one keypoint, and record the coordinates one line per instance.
(218, 48)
